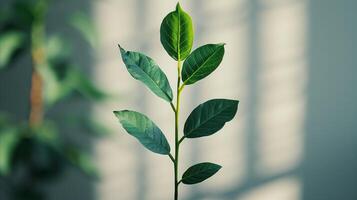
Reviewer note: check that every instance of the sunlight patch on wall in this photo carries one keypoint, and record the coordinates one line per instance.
(282, 83)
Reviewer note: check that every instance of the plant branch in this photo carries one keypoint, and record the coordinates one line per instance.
(182, 86)
(172, 158)
(183, 137)
(177, 144)
(173, 107)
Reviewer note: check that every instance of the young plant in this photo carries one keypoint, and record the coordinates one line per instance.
(176, 36)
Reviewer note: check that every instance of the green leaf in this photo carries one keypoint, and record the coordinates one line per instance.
(209, 117)
(199, 172)
(63, 79)
(82, 22)
(176, 34)
(46, 133)
(9, 43)
(57, 85)
(202, 62)
(8, 141)
(144, 69)
(146, 131)
(57, 48)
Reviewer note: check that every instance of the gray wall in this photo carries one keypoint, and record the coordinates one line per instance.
(330, 167)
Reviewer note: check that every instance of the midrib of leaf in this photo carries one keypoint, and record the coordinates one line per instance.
(153, 81)
(178, 35)
(192, 175)
(198, 172)
(205, 121)
(198, 69)
(148, 137)
(167, 34)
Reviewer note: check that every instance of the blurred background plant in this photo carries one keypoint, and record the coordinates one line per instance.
(37, 150)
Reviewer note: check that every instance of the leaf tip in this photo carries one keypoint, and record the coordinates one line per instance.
(235, 101)
(178, 6)
(122, 50)
(236, 104)
(222, 44)
(116, 113)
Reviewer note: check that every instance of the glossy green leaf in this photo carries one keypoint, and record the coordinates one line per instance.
(144, 69)
(202, 62)
(176, 34)
(145, 130)
(210, 117)
(200, 172)
(9, 43)
(8, 140)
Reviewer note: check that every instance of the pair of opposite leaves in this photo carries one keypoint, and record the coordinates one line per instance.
(176, 35)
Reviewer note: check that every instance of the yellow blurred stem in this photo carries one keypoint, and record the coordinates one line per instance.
(38, 60)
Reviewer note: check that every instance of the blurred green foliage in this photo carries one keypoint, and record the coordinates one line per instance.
(33, 154)
(9, 43)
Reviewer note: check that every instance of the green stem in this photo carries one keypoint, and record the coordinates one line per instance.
(173, 107)
(177, 142)
(172, 158)
(182, 86)
(183, 137)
